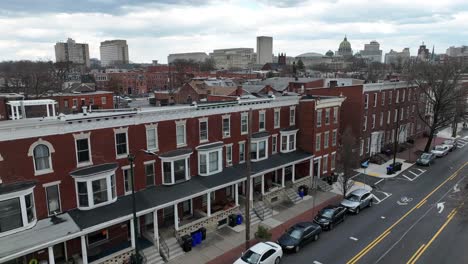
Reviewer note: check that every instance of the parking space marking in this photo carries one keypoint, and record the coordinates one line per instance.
(415, 174)
(353, 238)
(316, 262)
(408, 178)
(383, 217)
(414, 171)
(378, 199)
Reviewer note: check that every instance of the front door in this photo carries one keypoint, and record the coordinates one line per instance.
(59, 252)
(168, 215)
(288, 174)
(317, 168)
(187, 207)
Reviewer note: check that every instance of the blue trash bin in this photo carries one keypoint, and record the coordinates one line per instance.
(301, 193)
(239, 219)
(194, 239)
(199, 237)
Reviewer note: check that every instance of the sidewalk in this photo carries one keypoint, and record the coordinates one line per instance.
(226, 245)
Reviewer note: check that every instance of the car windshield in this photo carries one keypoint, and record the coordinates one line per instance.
(250, 257)
(352, 198)
(327, 213)
(439, 148)
(295, 232)
(426, 156)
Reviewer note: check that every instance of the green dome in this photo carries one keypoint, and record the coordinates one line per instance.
(329, 53)
(345, 44)
(345, 48)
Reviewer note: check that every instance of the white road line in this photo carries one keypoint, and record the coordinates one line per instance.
(408, 178)
(378, 181)
(383, 217)
(377, 199)
(353, 238)
(316, 262)
(415, 174)
(422, 171)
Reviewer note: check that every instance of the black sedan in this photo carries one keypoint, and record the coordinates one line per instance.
(330, 216)
(298, 235)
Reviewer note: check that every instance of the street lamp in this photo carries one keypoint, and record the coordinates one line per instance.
(135, 258)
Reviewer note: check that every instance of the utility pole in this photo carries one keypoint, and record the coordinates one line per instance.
(247, 185)
(396, 134)
(136, 257)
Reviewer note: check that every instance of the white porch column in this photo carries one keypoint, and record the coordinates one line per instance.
(293, 173)
(132, 233)
(208, 204)
(236, 193)
(263, 184)
(13, 114)
(311, 167)
(283, 171)
(51, 255)
(48, 110)
(53, 110)
(84, 252)
(156, 228)
(251, 189)
(176, 217)
(17, 112)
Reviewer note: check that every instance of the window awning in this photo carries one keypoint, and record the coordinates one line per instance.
(94, 170)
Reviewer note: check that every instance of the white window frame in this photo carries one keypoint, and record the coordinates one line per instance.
(402, 113)
(390, 95)
(206, 153)
(182, 123)
(333, 161)
(288, 135)
(21, 195)
(373, 120)
(244, 116)
(89, 190)
(327, 116)
(51, 184)
(383, 97)
(228, 157)
(389, 114)
(40, 141)
(318, 141)
(375, 99)
(103, 100)
(319, 118)
(200, 122)
(81, 136)
(274, 143)
(121, 131)
(242, 152)
(361, 148)
(277, 118)
(150, 162)
(335, 115)
(403, 96)
(381, 119)
(185, 157)
(261, 113)
(154, 129)
(257, 141)
(366, 101)
(292, 115)
(127, 169)
(334, 137)
(325, 164)
(365, 123)
(395, 116)
(409, 95)
(326, 139)
(397, 96)
(226, 134)
(368, 145)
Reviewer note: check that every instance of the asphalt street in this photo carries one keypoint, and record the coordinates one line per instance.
(417, 221)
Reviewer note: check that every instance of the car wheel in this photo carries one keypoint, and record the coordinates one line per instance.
(277, 260)
(297, 248)
(370, 203)
(357, 210)
(316, 237)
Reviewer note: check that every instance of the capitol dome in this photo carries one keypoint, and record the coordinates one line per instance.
(329, 53)
(345, 48)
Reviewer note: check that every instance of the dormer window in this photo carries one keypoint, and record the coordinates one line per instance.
(95, 185)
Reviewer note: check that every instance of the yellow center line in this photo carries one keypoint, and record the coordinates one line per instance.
(415, 253)
(377, 240)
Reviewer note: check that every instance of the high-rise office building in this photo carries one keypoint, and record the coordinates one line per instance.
(264, 50)
(372, 52)
(71, 51)
(114, 52)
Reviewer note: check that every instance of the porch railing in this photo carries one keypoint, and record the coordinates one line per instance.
(164, 249)
(259, 211)
(177, 236)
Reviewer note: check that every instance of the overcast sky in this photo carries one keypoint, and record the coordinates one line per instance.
(153, 29)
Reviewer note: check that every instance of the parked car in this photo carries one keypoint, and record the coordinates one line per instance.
(426, 159)
(263, 252)
(357, 200)
(330, 216)
(440, 150)
(298, 235)
(452, 143)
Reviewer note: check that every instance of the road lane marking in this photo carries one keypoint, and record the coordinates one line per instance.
(377, 240)
(415, 174)
(383, 217)
(452, 214)
(421, 204)
(415, 253)
(353, 238)
(316, 262)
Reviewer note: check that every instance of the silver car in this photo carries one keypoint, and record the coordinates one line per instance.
(357, 200)
(451, 143)
(441, 150)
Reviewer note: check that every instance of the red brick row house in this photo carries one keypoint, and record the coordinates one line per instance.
(65, 189)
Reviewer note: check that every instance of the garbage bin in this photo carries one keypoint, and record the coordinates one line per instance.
(300, 191)
(232, 220)
(397, 166)
(389, 170)
(186, 243)
(306, 190)
(239, 219)
(202, 230)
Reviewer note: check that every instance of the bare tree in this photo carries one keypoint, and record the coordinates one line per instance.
(439, 89)
(348, 160)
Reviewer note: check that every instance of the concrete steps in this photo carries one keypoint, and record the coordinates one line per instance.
(324, 186)
(152, 256)
(175, 249)
(260, 206)
(293, 196)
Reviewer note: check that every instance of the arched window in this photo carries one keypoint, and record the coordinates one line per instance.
(41, 157)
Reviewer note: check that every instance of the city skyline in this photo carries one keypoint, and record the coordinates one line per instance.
(154, 30)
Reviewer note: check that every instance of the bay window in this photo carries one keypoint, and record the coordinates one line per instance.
(176, 168)
(17, 209)
(288, 140)
(210, 159)
(259, 149)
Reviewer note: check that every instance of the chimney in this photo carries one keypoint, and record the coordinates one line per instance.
(239, 90)
(84, 109)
